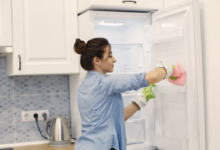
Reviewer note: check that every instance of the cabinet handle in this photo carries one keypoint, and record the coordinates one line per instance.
(19, 62)
(129, 1)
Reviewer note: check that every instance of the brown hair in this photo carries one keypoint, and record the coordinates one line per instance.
(93, 48)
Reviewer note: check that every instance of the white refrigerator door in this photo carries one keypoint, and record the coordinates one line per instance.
(179, 111)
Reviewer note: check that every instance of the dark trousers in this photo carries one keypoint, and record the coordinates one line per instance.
(112, 149)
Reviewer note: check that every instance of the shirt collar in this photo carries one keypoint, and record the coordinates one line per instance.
(93, 72)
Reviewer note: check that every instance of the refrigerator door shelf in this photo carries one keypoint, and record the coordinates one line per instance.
(169, 89)
(166, 37)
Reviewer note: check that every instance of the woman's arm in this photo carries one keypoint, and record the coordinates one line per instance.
(130, 110)
(122, 83)
(152, 77)
(155, 75)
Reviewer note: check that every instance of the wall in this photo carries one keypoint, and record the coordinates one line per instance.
(210, 22)
(24, 93)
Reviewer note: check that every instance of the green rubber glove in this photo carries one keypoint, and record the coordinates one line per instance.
(147, 91)
(171, 77)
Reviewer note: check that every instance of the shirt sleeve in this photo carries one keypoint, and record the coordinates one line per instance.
(122, 83)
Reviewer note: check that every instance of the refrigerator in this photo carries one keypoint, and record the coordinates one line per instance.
(174, 120)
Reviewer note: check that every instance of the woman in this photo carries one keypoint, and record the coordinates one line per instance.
(99, 100)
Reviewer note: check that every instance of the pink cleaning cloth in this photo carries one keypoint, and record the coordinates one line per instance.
(180, 73)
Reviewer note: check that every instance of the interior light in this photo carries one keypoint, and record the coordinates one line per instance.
(106, 23)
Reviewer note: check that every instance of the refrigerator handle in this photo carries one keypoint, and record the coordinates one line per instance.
(129, 1)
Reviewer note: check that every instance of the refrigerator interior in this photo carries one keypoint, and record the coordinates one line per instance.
(162, 124)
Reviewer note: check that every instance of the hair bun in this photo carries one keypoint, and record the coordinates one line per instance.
(79, 46)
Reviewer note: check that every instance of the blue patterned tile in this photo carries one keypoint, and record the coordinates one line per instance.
(5, 84)
(3, 65)
(7, 133)
(28, 131)
(6, 109)
(44, 84)
(56, 104)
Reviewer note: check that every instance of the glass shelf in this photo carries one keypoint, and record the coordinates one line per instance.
(166, 37)
(129, 56)
(128, 44)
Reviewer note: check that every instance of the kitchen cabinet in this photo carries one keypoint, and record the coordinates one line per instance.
(44, 33)
(128, 5)
(5, 23)
(168, 3)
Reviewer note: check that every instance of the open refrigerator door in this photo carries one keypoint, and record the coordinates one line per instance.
(177, 109)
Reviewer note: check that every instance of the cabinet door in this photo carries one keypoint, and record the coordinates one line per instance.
(5, 23)
(130, 5)
(168, 3)
(44, 33)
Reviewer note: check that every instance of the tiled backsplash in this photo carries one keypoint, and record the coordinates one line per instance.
(27, 93)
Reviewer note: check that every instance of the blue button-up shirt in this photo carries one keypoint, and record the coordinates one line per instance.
(102, 111)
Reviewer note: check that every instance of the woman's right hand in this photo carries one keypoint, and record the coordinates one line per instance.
(163, 71)
(167, 66)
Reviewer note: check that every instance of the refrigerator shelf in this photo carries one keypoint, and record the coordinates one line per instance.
(166, 37)
(124, 44)
(130, 58)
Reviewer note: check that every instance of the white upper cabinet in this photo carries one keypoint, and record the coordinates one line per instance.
(44, 33)
(168, 3)
(5, 23)
(131, 5)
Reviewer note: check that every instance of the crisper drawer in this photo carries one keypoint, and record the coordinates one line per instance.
(131, 5)
(135, 131)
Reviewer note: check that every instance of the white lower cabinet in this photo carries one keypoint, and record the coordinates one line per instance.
(44, 33)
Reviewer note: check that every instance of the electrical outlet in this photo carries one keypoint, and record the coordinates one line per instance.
(29, 115)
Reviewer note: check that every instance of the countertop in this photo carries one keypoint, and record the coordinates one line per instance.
(43, 147)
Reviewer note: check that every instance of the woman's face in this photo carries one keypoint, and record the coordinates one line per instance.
(107, 62)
